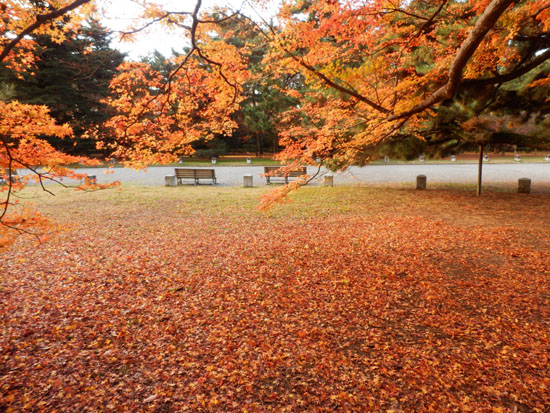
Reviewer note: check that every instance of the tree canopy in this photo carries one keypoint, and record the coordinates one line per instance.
(336, 78)
(378, 70)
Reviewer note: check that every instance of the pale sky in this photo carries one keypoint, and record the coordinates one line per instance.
(119, 14)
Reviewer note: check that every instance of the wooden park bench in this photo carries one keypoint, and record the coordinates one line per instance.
(5, 176)
(195, 174)
(277, 173)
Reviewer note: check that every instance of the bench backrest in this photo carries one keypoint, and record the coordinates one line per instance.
(185, 173)
(195, 173)
(205, 173)
(298, 172)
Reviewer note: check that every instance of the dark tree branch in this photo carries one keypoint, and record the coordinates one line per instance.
(150, 23)
(486, 21)
(320, 75)
(41, 19)
(514, 74)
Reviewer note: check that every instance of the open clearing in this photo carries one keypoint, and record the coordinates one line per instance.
(505, 175)
(347, 299)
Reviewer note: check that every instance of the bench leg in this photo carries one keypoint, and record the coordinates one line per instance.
(286, 180)
(196, 181)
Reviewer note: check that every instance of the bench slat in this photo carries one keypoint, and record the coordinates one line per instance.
(185, 173)
(204, 173)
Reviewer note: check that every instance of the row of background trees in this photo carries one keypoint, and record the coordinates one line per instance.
(72, 78)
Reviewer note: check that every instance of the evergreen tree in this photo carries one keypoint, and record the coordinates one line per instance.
(265, 100)
(71, 79)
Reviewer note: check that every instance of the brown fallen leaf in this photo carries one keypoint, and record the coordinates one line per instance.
(150, 399)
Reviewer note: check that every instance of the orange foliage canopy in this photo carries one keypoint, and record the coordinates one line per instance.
(22, 127)
(161, 115)
(374, 69)
(158, 117)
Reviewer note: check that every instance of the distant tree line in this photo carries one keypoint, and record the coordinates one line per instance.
(72, 79)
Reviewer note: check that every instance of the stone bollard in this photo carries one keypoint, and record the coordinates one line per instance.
(524, 185)
(91, 180)
(421, 182)
(328, 180)
(170, 180)
(248, 181)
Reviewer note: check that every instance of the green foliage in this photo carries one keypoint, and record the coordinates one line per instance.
(70, 78)
(259, 112)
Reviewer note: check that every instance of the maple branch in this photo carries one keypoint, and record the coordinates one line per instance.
(539, 11)
(150, 23)
(166, 86)
(432, 18)
(194, 46)
(485, 23)
(41, 19)
(314, 175)
(320, 75)
(335, 85)
(226, 18)
(422, 28)
(517, 72)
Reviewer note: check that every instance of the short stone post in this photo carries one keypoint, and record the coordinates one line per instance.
(421, 182)
(248, 181)
(170, 180)
(328, 180)
(524, 185)
(453, 158)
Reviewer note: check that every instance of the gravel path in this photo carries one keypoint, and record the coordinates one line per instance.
(444, 173)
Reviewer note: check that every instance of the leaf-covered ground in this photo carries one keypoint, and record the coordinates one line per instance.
(347, 299)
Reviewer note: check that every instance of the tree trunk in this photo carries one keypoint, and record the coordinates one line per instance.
(479, 169)
(259, 147)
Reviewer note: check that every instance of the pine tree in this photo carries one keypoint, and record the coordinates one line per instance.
(71, 79)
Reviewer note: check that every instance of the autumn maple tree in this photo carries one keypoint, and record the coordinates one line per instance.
(160, 115)
(23, 127)
(157, 117)
(379, 69)
(369, 72)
